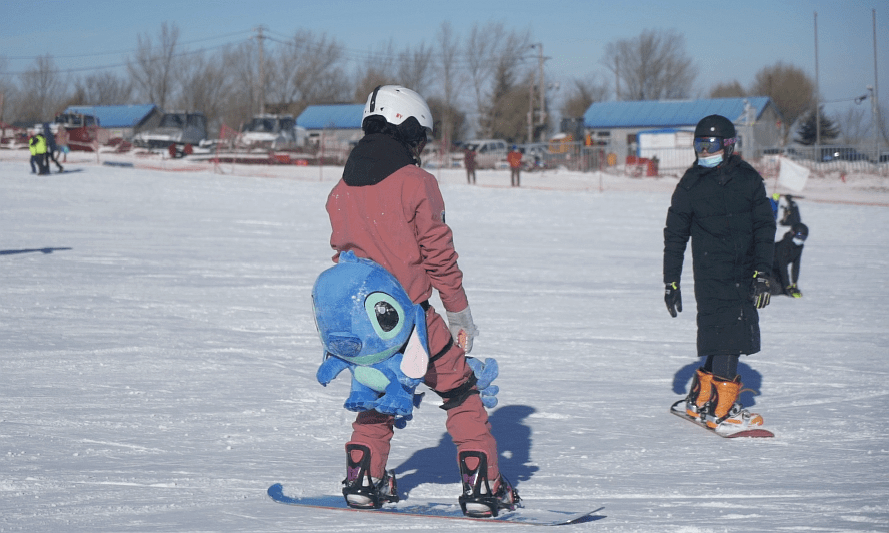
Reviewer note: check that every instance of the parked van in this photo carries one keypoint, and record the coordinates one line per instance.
(488, 152)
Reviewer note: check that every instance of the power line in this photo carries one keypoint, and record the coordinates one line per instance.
(348, 54)
(100, 54)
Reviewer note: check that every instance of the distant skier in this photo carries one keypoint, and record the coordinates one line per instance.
(721, 204)
(38, 147)
(51, 147)
(788, 254)
(469, 163)
(515, 166)
(791, 214)
(386, 208)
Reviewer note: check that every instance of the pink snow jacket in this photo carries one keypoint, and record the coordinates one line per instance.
(389, 210)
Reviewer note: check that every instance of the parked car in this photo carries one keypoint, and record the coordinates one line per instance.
(842, 153)
(273, 132)
(178, 129)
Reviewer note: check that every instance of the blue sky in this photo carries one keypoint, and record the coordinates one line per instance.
(729, 41)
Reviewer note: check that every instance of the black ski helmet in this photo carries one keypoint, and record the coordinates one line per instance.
(718, 126)
(801, 230)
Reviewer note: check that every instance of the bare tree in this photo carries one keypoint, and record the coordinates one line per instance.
(505, 52)
(652, 66)
(153, 67)
(307, 69)
(415, 68)
(507, 113)
(448, 55)
(103, 88)
(448, 122)
(479, 52)
(45, 88)
(377, 70)
(728, 90)
(7, 93)
(789, 88)
(853, 126)
(241, 97)
(584, 93)
(205, 85)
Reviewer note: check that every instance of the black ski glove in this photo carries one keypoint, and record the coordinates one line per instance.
(673, 298)
(760, 292)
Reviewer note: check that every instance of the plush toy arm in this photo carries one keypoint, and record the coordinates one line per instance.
(396, 401)
(330, 368)
(485, 373)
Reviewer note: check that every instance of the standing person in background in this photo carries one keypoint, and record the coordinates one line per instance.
(469, 163)
(37, 144)
(515, 166)
(721, 205)
(791, 214)
(62, 143)
(388, 209)
(32, 147)
(788, 254)
(51, 147)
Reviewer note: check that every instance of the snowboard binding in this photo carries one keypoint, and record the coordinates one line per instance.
(478, 500)
(360, 490)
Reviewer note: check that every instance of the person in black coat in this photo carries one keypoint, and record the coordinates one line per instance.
(51, 147)
(721, 205)
(788, 253)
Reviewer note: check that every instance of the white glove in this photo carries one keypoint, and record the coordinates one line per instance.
(462, 328)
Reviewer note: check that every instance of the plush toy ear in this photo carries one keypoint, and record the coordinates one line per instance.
(415, 361)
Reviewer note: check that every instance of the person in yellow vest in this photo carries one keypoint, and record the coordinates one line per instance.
(37, 145)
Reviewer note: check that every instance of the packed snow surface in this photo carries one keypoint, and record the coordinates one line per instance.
(157, 365)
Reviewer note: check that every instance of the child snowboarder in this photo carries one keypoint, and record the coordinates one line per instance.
(788, 253)
(387, 209)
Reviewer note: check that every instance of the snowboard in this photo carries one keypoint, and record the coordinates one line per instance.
(451, 511)
(749, 433)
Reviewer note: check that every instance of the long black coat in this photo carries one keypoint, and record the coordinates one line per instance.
(729, 218)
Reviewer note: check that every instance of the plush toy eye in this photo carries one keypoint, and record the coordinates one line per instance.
(385, 313)
(387, 316)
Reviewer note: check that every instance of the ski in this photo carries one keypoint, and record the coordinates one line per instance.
(450, 511)
(748, 433)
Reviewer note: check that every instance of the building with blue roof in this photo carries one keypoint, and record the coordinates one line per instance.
(122, 121)
(618, 124)
(333, 128)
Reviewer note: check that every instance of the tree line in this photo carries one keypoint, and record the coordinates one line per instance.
(481, 82)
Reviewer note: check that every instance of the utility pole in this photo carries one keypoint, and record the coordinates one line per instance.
(817, 97)
(875, 108)
(259, 39)
(542, 86)
(531, 97)
(617, 78)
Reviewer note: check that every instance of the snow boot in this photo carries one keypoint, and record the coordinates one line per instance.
(479, 498)
(724, 413)
(700, 393)
(360, 490)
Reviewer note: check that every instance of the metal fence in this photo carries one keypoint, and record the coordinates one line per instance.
(576, 156)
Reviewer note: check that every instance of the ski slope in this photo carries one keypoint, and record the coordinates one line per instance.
(159, 352)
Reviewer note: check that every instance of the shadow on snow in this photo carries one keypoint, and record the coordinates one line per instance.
(439, 464)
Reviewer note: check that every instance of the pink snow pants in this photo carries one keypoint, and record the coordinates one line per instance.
(467, 423)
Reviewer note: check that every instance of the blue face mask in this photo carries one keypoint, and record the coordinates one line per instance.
(710, 161)
(798, 242)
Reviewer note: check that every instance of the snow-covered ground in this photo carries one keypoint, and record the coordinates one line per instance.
(158, 357)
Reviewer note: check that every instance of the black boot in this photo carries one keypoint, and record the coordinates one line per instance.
(478, 499)
(360, 490)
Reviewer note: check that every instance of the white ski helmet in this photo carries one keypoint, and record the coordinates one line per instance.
(397, 104)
